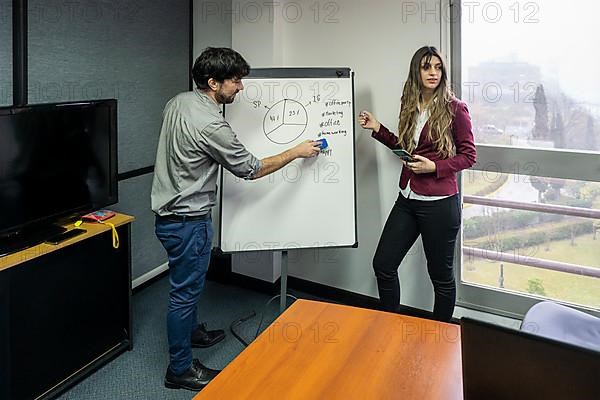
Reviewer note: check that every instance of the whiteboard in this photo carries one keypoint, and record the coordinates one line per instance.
(310, 202)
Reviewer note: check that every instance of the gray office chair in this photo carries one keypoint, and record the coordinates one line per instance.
(563, 323)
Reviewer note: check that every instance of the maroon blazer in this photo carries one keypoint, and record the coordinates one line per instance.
(442, 182)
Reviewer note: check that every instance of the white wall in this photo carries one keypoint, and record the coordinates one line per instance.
(212, 24)
(376, 40)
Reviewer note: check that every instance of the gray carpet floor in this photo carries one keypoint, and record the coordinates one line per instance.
(138, 374)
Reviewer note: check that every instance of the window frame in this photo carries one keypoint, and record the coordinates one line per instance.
(555, 163)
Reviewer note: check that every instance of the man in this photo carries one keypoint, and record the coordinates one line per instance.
(194, 140)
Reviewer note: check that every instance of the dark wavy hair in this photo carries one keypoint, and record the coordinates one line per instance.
(219, 63)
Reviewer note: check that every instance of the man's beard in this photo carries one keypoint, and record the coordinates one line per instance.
(222, 99)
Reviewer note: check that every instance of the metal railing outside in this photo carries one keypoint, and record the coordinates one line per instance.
(494, 255)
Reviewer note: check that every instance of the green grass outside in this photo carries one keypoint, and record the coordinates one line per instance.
(558, 285)
(471, 186)
(474, 184)
(586, 251)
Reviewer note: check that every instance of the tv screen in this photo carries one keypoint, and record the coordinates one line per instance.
(56, 160)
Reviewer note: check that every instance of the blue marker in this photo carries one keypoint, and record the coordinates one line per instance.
(323, 145)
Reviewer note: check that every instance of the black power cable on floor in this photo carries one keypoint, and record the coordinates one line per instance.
(240, 321)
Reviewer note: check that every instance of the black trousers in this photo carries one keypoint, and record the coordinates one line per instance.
(438, 223)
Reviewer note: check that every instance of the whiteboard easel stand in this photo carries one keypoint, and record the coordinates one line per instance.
(284, 271)
(284, 274)
(282, 257)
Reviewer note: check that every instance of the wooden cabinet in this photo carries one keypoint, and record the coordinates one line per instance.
(65, 310)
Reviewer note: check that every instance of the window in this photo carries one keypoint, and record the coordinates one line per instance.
(531, 218)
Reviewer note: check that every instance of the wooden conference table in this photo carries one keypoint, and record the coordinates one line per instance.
(318, 350)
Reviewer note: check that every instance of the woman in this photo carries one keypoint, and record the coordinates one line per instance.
(435, 128)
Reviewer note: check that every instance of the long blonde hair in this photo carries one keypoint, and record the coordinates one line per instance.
(440, 110)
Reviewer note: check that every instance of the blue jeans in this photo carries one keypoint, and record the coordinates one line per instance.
(188, 245)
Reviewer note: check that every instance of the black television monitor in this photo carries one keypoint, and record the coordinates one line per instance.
(56, 160)
(503, 363)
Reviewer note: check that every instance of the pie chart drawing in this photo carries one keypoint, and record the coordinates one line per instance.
(285, 121)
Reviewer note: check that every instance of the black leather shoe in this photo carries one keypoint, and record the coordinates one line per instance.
(195, 378)
(203, 338)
